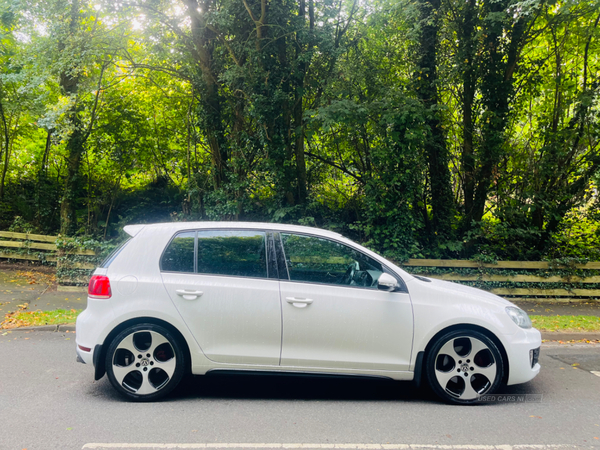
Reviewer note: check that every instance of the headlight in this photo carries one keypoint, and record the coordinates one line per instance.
(518, 316)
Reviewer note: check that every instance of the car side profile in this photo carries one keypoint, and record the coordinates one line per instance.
(196, 297)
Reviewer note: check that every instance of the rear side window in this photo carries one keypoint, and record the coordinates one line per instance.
(232, 252)
(179, 254)
(110, 258)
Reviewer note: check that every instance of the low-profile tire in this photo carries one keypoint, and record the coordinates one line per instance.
(463, 365)
(145, 362)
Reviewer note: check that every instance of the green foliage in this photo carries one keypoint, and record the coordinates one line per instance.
(484, 147)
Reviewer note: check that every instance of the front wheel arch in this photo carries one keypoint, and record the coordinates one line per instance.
(466, 326)
(100, 368)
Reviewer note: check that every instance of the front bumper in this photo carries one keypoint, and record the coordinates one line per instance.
(520, 349)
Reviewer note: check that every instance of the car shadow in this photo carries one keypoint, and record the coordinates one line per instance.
(250, 386)
(277, 386)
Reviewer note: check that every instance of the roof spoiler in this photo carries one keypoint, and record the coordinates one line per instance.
(132, 230)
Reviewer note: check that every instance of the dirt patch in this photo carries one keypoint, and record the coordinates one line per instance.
(27, 266)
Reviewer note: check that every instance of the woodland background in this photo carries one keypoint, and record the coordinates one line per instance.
(421, 128)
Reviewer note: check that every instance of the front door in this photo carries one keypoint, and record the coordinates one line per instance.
(334, 317)
(220, 283)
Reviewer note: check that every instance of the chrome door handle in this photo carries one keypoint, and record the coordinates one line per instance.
(189, 295)
(299, 302)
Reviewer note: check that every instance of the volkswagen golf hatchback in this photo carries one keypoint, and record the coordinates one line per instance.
(208, 296)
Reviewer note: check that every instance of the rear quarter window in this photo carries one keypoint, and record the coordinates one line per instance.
(110, 258)
(179, 254)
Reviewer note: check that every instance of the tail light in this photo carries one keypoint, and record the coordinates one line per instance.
(99, 287)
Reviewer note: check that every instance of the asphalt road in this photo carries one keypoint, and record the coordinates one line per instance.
(48, 401)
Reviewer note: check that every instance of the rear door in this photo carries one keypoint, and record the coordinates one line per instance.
(226, 289)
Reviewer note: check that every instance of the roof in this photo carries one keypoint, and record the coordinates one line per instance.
(132, 230)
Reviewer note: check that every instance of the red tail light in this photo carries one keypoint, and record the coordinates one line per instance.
(99, 287)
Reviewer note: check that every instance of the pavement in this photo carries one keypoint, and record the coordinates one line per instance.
(30, 288)
(537, 308)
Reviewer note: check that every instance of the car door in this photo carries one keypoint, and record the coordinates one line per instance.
(227, 292)
(334, 315)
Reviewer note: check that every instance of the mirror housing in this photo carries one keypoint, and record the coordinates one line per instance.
(386, 282)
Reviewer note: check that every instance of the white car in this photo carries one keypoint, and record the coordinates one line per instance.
(199, 297)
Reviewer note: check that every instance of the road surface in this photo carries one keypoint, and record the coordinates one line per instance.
(48, 401)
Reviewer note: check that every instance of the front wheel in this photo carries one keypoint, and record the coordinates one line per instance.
(144, 362)
(463, 365)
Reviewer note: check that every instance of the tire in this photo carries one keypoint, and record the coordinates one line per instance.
(462, 365)
(145, 362)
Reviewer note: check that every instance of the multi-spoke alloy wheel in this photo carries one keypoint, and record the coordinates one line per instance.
(144, 362)
(463, 365)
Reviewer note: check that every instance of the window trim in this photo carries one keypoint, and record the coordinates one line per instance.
(281, 262)
(284, 273)
(272, 263)
(402, 285)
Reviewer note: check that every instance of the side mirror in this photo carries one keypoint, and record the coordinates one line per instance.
(386, 282)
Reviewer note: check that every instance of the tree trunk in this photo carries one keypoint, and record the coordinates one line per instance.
(467, 51)
(208, 89)
(442, 201)
(6, 142)
(498, 66)
(69, 85)
(68, 207)
(298, 113)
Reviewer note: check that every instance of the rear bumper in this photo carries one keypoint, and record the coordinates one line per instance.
(83, 356)
(79, 358)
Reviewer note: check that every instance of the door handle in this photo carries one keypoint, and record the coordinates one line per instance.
(299, 302)
(189, 295)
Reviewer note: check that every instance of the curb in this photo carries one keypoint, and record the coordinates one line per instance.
(61, 327)
(557, 336)
(546, 335)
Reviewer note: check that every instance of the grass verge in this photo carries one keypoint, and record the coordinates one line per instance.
(60, 316)
(37, 318)
(566, 323)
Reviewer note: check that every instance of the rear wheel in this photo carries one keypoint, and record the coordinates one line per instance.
(463, 365)
(144, 362)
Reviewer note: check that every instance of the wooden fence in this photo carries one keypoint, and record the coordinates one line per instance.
(42, 248)
(36, 247)
(574, 289)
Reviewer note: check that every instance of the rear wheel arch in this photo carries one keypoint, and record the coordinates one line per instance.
(100, 368)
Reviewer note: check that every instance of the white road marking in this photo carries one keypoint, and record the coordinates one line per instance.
(324, 446)
(595, 372)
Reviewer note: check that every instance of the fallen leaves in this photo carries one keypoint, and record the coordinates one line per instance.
(37, 277)
(23, 318)
(574, 341)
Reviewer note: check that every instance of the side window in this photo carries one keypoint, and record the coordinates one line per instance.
(319, 260)
(179, 255)
(232, 252)
(110, 258)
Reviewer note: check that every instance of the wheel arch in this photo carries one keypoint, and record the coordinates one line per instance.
(465, 326)
(100, 368)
